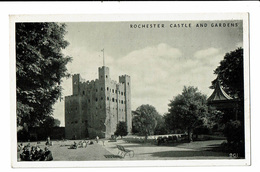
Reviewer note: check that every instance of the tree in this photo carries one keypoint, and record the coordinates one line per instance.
(40, 67)
(121, 129)
(187, 111)
(144, 120)
(48, 123)
(230, 74)
(160, 128)
(56, 123)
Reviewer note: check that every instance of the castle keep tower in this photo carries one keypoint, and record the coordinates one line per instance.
(96, 107)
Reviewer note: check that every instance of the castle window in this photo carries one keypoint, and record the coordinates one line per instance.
(101, 98)
(116, 91)
(112, 90)
(128, 83)
(76, 122)
(113, 99)
(83, 92)
(122, 101)
(107, 88)
(107, 98)
(122, 93)
(89, 100)
(96, 90)
(96, 99)
(116, 100)
(101, 89)
(106, 76)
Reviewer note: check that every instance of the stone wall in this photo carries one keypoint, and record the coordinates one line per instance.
(96, 107)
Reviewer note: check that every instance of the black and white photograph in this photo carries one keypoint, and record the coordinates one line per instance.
(118, 89)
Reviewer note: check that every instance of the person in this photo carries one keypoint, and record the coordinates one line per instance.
(39, 154)
(48, 155)
(97, 138)
(84, 144)
(33, 153)
(25, 155)
(74, 146)
(48, 142)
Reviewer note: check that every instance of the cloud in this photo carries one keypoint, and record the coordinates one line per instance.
(202, 54)
(158, 72)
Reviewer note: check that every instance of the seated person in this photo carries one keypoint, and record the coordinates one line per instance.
(48, 155)
(74, 146)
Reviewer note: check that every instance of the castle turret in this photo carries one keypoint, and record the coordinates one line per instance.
(75, 84)
(125, 79)
(103, 73)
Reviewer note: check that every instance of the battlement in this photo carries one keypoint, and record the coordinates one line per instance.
(99, 104)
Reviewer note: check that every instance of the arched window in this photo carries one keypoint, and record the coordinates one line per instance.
(113, 99)
(107, 88)
(107, 98)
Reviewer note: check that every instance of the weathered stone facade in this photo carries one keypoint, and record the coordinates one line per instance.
(96, 107)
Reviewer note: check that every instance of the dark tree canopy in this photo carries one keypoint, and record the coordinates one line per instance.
(230, 74)
(160, 128)
(144, 120)
(121, 129)
(187, 110)
(40, 67)
(56, 123)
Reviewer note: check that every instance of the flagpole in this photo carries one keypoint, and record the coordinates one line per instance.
(103, 56)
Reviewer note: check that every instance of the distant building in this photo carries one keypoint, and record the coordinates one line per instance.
(96, 107)
(222, 101)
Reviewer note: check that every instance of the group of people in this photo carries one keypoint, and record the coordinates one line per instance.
(81, 144)
(34, 153)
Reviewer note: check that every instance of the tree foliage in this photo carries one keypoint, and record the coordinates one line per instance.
(121, 129)
(231, 74)
(40, 67)
(56, 123)
(187, 111)
(160, 128)
(144, 120)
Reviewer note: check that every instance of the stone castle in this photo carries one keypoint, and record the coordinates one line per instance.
(96, 107)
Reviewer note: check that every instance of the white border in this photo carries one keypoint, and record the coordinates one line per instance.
(7, 8)
(134, 17)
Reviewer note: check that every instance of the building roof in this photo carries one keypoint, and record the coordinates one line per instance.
(219, 94)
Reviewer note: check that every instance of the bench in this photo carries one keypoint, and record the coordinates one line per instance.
(122, 151)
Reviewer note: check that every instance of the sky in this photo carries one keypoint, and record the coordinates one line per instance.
(160, 61)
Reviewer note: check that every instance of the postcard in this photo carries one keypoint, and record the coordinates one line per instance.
(130, 90)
